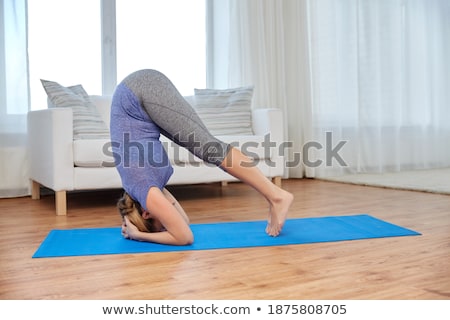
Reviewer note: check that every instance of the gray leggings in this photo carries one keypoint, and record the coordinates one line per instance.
(175, 117)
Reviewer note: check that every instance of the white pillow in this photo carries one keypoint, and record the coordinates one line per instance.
(87, 122)
(225, 112)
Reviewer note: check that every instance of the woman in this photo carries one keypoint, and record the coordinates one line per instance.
(146, 104)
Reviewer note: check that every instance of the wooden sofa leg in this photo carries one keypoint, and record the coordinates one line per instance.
(277, 181)
(61, 203)
(35, 190)
(224, 183)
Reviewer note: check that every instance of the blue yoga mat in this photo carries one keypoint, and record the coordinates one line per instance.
(81, 242)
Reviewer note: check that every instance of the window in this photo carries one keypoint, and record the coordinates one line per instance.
(13, 59)
(167, 35)
(65, 42)
(64, 45)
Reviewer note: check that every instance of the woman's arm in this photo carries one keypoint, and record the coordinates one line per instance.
(176, 204)
(177, 228)
(129, 231)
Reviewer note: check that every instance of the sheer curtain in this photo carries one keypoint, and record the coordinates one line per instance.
(14, 99)
(364, 84)
(268, 48)
(380, 79)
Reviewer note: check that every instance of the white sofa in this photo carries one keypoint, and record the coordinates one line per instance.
(62, 164)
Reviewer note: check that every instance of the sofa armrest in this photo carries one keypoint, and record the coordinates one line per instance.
(50, 147)
(268, 121)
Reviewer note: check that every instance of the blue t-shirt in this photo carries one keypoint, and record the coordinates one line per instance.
(139, 155)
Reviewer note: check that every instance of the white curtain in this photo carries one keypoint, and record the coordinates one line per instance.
(14, 99)
(365, 85)
(268, 48)
(380, 77)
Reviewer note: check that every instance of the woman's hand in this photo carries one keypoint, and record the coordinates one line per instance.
(129, 230)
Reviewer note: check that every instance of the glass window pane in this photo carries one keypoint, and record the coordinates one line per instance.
(166, 35)
(64, 45)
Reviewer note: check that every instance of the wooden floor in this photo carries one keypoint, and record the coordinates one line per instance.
(391, 268)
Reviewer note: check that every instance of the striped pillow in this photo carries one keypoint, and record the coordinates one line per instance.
(225, 112)
(87, 122)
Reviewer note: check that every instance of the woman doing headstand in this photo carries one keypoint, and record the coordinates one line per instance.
(146, 104)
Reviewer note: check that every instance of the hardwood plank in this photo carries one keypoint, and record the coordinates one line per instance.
(389, 268)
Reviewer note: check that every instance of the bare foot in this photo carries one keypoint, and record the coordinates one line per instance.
(279, 208)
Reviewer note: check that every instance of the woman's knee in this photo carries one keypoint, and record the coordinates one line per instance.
(215, 152)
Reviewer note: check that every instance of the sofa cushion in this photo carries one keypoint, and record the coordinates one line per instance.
(87, 122)
(103, 106)
(225, 112)
(253, 146)
(92, 153)
(95, 153)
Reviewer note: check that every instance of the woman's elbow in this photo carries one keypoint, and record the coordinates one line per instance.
(190, 239)
(186, 239)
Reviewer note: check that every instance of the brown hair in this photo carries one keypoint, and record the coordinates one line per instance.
(133, 211)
